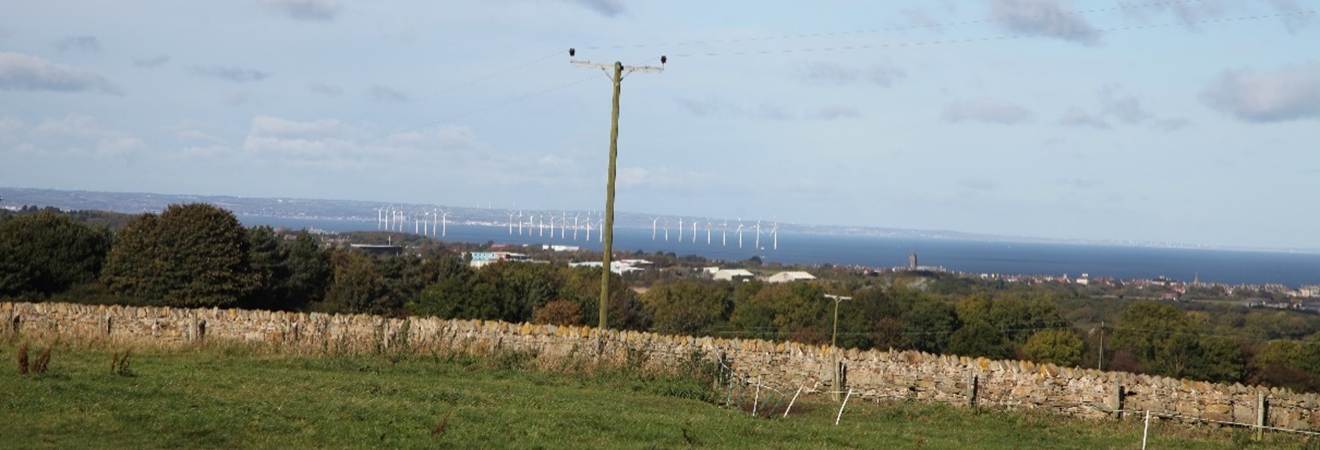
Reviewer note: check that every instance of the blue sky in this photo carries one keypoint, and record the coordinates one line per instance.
(1185, 121)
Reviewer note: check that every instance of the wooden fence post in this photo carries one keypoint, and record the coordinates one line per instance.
(1116, 400)
(1261, 414)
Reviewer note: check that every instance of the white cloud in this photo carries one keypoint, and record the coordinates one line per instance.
(70, 135)
(328, 90)
(88, 44)
(832, 74)
(152, 62)
(987, 111)
(230, 73)
(1048, 18)
(387, 94)
(1078, 117)
(19, 72)
(607, 8)
(313, 10)
(1291, 93)
(336, 142)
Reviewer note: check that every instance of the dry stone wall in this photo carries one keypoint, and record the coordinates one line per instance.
(878, 375)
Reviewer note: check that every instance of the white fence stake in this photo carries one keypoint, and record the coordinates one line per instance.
(791, 402)
(1145, 431)
(845, 404)
(757, 399)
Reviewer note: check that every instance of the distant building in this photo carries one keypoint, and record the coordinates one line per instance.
(787, 277)
(620, 267)
(482, 259)
(733, 275)
(912, 261)
(561, 248)
(1083, 280)
(378, 249)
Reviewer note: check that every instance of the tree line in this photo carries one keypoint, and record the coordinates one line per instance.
(198, 255)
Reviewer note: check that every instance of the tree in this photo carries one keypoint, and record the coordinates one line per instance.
(357, 286)
(930, 325)
(687, 307)
(269, 262)
(309, 271)
(871, 320)
(1058, 347)
(191, 255)
(979, 339)
(46, 253)
(797, 311)
(1148, 331)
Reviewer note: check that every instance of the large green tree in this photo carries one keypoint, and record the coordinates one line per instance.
(688, 307)
(1059, 347)
(193, 255)
(47, 252)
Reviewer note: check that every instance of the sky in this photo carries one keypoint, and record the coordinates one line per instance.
(1193, 122)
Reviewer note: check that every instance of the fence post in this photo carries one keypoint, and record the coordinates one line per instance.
(844, 405)
(972, 387)
(756, 400)
(1145, 431)
(1116, 400)
(1261, 414)
(791, 402)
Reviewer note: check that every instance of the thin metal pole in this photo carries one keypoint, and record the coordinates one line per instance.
(1145, 432)
(844, 405)
(608, 231)
(834, 350)
(756, 400)
(1100, 359)
(791, 402)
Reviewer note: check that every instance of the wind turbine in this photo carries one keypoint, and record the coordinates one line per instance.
(653, 221)
(588, 229)
(680, 229)
(724, 234)
(444, 223)
(600, 235)
(576, 216)
(666, 230)
(694, 231)
(563, 222)
(520, 222)
(758, 235)
(510, 223)
(740, 227)
(552, 226)
(774, 231)
(707, 232)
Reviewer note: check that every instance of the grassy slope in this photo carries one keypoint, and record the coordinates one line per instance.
(228, 398)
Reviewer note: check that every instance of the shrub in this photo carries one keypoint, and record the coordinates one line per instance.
(558, 312)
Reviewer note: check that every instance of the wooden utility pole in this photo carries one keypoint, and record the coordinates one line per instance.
(616, 72)
(834, 342)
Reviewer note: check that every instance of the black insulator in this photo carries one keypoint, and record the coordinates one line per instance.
(572, 52)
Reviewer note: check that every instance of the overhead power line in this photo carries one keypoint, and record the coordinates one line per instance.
(1003, 37)
(1123, 6)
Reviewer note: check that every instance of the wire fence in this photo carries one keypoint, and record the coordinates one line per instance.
(777, 400)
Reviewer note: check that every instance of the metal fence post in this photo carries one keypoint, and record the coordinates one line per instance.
(1145, 431)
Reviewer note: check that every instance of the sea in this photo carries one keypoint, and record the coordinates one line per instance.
(996, 257)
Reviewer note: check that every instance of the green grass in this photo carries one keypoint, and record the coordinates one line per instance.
(230, 397)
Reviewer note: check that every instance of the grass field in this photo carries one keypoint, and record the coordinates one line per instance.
(230, 397)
